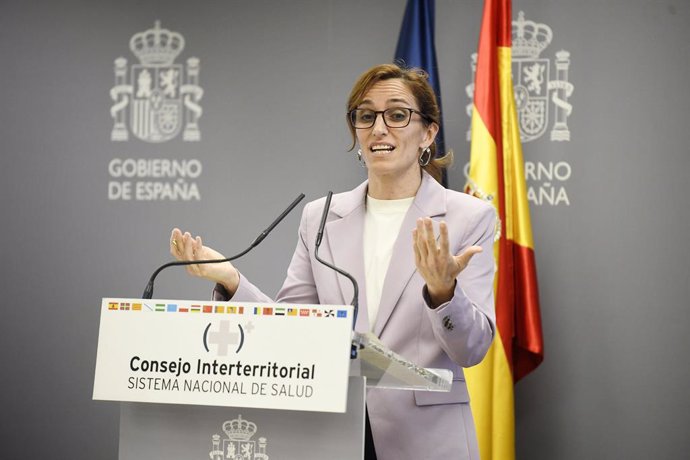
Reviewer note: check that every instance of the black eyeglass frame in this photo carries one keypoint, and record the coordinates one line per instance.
(376, 113)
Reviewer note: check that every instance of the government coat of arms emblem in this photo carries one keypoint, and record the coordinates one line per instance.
(533, 85)
(239, 444)
(160, 98)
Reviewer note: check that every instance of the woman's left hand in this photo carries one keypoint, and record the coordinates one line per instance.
(435, 263)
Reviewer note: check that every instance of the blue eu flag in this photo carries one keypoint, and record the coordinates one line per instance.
(416, 48)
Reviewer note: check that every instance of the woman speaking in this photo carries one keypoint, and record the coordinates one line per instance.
(422, 254)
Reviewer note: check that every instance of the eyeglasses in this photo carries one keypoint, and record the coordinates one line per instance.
(395, 117)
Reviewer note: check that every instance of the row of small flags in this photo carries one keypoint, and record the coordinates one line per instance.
(259, 311)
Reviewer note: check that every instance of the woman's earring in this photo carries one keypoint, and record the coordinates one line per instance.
(360, 159)
(425, 161)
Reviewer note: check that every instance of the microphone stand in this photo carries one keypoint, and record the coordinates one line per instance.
(355, 286)
(148, 291)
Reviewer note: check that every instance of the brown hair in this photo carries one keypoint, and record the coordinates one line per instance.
(417, 81)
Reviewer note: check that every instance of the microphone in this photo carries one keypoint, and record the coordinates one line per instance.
(148, 291)
(355, 286)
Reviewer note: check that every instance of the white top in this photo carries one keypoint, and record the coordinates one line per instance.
(381, 227)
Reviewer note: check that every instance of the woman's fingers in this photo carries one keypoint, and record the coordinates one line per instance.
(197, 246)
(188, 248)
(415, 248)
(185, 247)
(421, 239)
(464, 259)
(430, 238)
(444, 245)
(437, 265)
(175, 243)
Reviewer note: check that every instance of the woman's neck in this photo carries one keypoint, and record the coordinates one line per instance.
(394, 188)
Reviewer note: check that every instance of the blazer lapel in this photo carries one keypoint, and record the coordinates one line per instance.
(430, 201)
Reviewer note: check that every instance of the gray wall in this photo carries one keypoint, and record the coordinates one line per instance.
(613, 261)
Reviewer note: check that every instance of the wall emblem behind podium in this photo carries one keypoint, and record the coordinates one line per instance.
(533, 84)
(163, 97)
(543, 92)
(238, 444)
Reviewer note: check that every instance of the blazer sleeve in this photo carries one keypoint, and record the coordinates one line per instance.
(299, 286)
(465, 325)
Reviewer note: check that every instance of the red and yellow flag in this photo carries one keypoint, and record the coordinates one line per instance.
(497, 175)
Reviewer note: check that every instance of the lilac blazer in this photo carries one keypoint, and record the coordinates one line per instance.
(405, 424)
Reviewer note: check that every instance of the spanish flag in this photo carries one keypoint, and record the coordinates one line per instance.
(497, 175)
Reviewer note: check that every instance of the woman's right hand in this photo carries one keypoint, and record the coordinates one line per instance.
(184, 247)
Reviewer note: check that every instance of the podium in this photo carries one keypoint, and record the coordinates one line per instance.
(283, 388)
